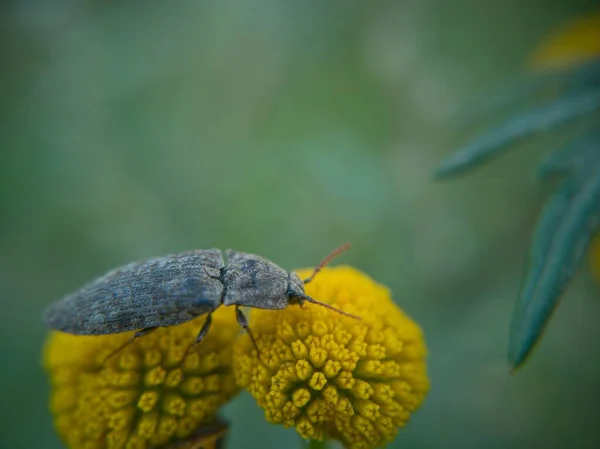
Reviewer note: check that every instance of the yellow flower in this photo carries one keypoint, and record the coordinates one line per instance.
(333, 376)
(576, 42)
(594, 254)
(146, 394)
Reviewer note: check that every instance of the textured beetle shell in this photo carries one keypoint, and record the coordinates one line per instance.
(254, 281)
(158, 292)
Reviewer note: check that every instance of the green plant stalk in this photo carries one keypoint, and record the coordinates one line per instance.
(315, 444)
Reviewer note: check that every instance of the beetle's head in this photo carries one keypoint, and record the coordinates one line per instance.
(295, 290)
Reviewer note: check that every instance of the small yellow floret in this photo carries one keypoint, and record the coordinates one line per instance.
(332, 376)
(146, 394)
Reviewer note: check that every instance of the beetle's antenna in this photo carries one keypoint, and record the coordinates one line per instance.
(336, 252)
(319, 303)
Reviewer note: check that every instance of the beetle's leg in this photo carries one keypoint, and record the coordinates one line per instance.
(204, 330)
(200, 337)
(242, 321)
(141, 333)
(134, 337)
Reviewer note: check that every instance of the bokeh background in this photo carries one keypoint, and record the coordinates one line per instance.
(130, 129)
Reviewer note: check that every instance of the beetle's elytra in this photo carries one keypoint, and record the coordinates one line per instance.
(174, 289)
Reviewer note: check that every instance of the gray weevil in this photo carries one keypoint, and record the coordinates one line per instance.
(171, 290)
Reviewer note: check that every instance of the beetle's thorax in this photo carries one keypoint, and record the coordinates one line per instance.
(253, 281)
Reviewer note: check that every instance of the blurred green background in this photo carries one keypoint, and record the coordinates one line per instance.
(135, 129)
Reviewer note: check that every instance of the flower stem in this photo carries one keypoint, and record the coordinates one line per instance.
(315, 444)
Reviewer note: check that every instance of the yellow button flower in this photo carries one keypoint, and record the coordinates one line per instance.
(332, 376)
(146, 394)
(575, 42)
(594, 257)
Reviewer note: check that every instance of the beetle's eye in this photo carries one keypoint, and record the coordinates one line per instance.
(295, 300)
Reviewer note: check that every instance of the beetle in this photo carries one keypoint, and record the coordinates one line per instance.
(171, 290)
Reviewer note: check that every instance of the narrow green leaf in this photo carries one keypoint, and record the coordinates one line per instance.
(586, 77)
(567, 225)
(527, 87)
(491, 143)
(572, 157)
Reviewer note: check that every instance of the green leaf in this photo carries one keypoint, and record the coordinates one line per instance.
(491, 143)
(527, 87)
(566, 228)
(585, 77)
(577, 153)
